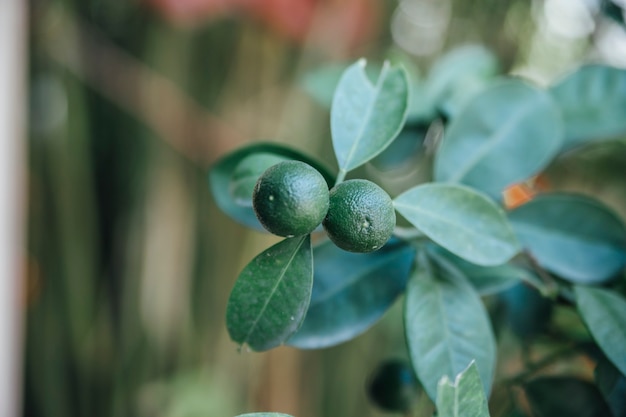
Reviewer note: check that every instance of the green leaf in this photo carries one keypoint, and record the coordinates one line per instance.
(565, 396)
(351, 292)
(264, 415)
(525, 311)
(509, 132)
(604, 313)
(403, 153)
(453, 70)
(421, 110)
(246, 174)
(228, 184)
(366, 117)
(576, 237)
(462, 95)
(271, 295)
(464, 397)
(488, 280)
(461, 220)
(593, 103)
(446, 325)
(458, 76)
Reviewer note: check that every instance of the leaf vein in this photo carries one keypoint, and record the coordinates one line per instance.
(281, 276)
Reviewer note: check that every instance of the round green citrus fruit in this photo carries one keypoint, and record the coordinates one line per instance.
(290, 198)
(247, 173)
(361, 217)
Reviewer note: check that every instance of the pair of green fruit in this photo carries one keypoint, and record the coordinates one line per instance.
(291, 198)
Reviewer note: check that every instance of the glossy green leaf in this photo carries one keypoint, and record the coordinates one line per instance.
(446, 325)
(366, 117)
(488, 280)
(461, 220)
(264, 415)
(271, 295)
(230, 194)
(604, 313)
(510, 132)
(576, 237)
(463, 397)
(351, 292)
(565, 396)
(593, 103)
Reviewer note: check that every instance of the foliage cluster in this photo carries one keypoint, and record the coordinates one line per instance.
(458, 244)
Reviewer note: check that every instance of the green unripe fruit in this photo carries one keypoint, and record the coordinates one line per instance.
(361, 217)
(290, 198)
(247, 173)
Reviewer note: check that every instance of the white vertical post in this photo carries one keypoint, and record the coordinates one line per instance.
(13, 35)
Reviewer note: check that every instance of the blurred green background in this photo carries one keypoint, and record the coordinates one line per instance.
(130, 261)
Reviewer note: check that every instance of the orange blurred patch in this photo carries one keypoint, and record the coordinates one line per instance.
(523, 192)
(517, 194)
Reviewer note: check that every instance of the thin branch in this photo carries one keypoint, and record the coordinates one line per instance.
(533, 368)
(552, 287)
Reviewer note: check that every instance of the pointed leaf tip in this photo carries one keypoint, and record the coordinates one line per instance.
(366, 117)
(463, 397)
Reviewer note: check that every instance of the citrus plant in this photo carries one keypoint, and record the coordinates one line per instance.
(467, 261)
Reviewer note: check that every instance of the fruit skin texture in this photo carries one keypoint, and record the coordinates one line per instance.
(290, 199)
(361, 217)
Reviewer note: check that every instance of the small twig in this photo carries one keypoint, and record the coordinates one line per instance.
(552, 287)
(535, 367)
